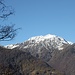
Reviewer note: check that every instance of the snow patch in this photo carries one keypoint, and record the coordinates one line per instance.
(11, 46)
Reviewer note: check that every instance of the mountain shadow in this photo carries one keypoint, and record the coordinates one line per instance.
(18, 62)
(64, 60)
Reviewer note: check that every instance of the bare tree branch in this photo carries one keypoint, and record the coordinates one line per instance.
(5, 11)
(7, 32)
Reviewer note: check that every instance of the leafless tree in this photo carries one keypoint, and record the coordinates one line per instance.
(7, 32)
(5, 10)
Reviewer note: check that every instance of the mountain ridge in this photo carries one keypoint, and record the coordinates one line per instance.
(37, 39)
(42, 46)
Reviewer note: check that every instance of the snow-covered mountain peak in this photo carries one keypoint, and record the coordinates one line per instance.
(42, 47)
(41, 38)
(38, 39)
(49, 36)
(48, 42)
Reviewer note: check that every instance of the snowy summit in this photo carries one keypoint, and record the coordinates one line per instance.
(48, 41)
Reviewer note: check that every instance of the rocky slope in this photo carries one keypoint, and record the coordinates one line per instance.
(17, 62)
(64, 60)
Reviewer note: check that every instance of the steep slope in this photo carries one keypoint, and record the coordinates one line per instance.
(42, 46)
(65, 60)
(17, 62)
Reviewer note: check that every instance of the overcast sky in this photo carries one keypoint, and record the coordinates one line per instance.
(41, 17)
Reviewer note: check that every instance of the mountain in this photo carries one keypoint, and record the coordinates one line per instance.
(52, 49)
(42, 46)
(52, 41)
(18, 62)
